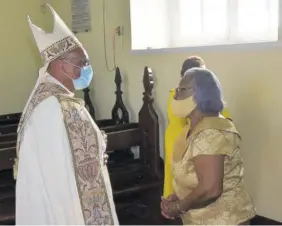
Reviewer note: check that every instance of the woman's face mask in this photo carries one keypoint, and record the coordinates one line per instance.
(183, 102)
(183, 108)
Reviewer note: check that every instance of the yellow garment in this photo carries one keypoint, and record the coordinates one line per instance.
(225, 113)
(212, 136)
(175, 125)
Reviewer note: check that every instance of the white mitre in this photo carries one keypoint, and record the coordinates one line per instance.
(54, 44)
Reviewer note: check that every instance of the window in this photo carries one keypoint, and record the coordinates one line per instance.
(149, 24)
(157, 24)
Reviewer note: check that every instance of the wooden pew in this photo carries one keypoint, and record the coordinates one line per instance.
(137, 186)
(137, 183)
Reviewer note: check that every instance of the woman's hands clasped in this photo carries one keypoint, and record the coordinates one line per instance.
(170, 207)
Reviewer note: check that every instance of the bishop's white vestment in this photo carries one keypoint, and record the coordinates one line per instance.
(61, 176)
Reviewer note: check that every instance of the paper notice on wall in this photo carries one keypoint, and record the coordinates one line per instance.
(81, 20)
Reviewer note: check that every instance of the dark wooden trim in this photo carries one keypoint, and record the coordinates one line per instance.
(88, 103)
(260, 220)
(149, 126)
(7, 158)
(119, 112)
(119, 140)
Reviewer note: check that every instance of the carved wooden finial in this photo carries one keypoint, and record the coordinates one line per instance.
(119, 112)
(148, 82)
(118, 79)
(149, 126)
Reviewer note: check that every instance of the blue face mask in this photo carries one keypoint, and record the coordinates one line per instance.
(86, 75)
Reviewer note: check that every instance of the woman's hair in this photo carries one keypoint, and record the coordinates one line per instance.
(208, 91)
(190, 62)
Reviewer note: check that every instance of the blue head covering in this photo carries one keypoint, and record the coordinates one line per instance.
(208, 91)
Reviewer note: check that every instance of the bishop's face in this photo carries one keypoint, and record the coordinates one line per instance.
(74, 61)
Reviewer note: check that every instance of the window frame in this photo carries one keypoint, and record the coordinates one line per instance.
(173, 26)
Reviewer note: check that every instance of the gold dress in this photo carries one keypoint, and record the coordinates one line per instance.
(174, 128)
(212, 136)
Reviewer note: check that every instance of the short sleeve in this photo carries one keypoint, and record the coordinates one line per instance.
(213, 142)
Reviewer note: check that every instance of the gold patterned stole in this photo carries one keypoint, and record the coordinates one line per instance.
(87, 147)
(43, 91)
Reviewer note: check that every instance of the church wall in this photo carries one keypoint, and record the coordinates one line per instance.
(18, 55)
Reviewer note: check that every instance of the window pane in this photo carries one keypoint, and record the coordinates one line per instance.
(190, 18)
(257, 19)
(203, 19)
(215, 18)
(149, 24)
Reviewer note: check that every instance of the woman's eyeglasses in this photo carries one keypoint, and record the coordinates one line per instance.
(181, 89)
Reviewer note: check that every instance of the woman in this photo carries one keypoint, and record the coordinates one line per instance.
(207, 164)
(176, 124)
